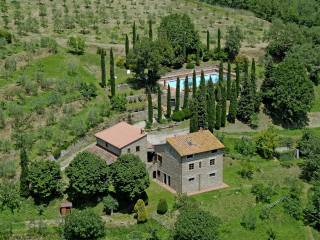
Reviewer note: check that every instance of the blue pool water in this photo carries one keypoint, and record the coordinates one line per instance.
(173, 83)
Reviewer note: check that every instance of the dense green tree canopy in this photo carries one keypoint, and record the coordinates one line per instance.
(144, 60)
(233, 42)
(129, 176)
(88, 176)
(312, 212)
(180, 32)
(289, 94)
(196, 224)
(83, 225)
(45, 180)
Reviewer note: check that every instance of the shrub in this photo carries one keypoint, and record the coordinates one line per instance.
(266, 142)
(119, 103)
(183, 201)
(140, 211)
(178, 116)
(246, 170)
(120, 62)
(76, 45)
(110, 204)
(162, 207)
(263, 193)
(249, 220)
(190, 65)
(83, 225)
(246, 147)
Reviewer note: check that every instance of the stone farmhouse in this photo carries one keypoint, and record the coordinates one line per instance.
(188, 163)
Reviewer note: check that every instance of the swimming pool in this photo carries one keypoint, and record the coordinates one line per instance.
(173, 83)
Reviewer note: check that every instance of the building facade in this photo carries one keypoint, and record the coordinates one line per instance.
(190, 163)
(187, 163)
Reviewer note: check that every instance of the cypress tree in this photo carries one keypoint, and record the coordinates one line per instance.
(233, 104)
(150, 108)
(237, 79)
(219, 41)
(253, 75)
(150, 30)
(137, 38)
(186, 93)
(194, 84)
(159, 105)
(127, 46)
(223, 106)
(229, 82)
(194, 116)
(208, 40)
(202, 82)
(246, 103)
(168, 102)
(24, 164)
(178, 95)
(218, 109)
(211, 105)
(102, 53)
(221, 72)
(202, 104)
(197, 58)
(112, 76)
(134, 34)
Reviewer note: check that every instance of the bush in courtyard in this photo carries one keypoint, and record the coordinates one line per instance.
(83, 225)
(162, 207)
(140, 211)
(110, 204)
(249, 220)
(183, 201)
(246, 147)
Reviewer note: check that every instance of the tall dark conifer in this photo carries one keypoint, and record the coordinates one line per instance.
(208, 40)
(150, 108)
(127, 46)
(178, 95)
(237, 79)
(102, 53)
(219, 41)
(211, 105)
(194, 84)
(221, 73)
(24, 165)
(246, 104)
(168, 115)
(229, 82)
(186, 93)
(202, 104)
(233, 104)
(218, 108)
(159, 105)
(150, 30)
(223, 105)
(112, 75)
(134, 34)
(194, 116)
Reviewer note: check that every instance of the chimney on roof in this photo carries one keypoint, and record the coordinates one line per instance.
(142, 131)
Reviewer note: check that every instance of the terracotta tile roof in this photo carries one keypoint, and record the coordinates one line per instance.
(108, 157)
(121, 134)
(192, 143)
